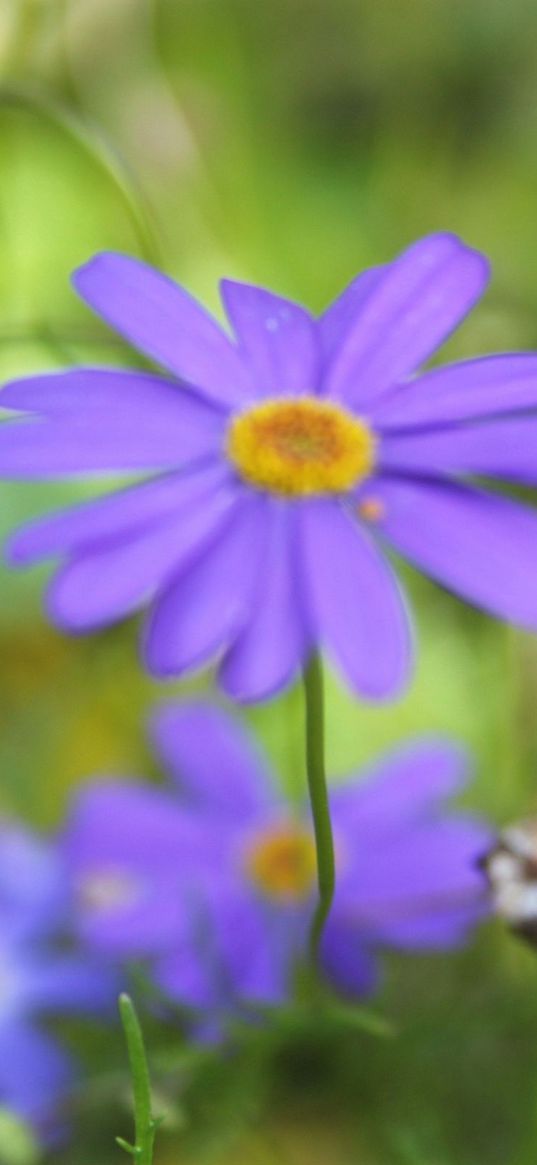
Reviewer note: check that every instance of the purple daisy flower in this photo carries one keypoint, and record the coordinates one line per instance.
(245, 886)
(37, 979)
(284, 460)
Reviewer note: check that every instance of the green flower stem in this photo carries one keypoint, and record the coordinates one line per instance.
(145, 1124)
(315, 767)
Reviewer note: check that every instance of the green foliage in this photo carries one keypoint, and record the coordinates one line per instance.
(17, 1143)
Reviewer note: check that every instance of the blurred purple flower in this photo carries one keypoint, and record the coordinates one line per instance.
(38, 978)
(285, 459)
(216, 882)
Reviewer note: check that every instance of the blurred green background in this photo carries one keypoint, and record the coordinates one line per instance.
(288, 142)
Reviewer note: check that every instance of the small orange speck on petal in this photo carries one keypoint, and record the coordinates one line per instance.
(372, 509)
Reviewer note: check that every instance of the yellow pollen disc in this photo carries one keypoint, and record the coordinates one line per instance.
(282, 863)
(298, 446)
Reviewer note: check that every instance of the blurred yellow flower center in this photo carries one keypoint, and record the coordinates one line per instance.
(301, 445)
(282, 863)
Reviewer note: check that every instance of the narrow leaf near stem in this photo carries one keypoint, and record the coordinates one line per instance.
(318, 792)
(145, 1124)
(90, 138)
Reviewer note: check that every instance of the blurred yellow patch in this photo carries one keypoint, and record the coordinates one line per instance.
(282, 863)
(299, 446)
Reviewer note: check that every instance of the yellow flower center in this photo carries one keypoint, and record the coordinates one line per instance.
(298, 446)
(282, 863)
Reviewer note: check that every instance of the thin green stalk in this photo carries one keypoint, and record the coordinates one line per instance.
(28, 18)
(315, 768)
(91, 139)
(145, 1125)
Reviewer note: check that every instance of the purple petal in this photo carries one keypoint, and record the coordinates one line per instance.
(420, 299)
(153, 827)
(356, 605)
(440, 930)
(92, 420)
(132, 884)
(256, 957)
(505, 448)
(186, 977)
(471, 389)
(102, 586)
(346, 959)
(214, 759)
(428, 869)
(155, 315)
(112, 518)
(34, 1071)
(32, 893)
(400, 788)
(146, 926)
(40, 450)
(69, 983)
(207, 605)
(278, 339)
(110, 394)
(241, 959)
(272, 646)
(339, 317)
(107, 582)
(96, 440)
(479, 545)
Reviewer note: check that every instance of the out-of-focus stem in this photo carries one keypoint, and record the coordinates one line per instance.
(145, 1124)
(90, 138)
(318, 792)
